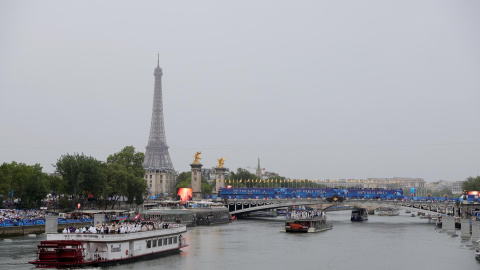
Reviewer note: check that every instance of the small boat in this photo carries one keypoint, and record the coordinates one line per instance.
(388, 211)
(477, 252)
(438, 222)
(408, 211)
(458, 224)
(359, 214)
(93, 249)
(306, 221)
(413, 215)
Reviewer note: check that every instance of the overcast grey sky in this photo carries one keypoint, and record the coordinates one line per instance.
(316, 89)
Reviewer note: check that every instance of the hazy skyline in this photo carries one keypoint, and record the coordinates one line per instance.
(315, 89)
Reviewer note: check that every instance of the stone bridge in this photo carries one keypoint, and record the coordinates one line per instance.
(244, 206)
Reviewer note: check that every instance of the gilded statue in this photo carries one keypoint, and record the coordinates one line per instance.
(197, 157)
(221, 161)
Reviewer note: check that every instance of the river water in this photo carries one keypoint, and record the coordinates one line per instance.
(399, 242)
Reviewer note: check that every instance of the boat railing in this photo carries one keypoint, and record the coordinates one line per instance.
(302, 217)
(116, 236)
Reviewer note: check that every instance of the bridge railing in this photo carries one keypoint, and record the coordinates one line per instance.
(399, 198)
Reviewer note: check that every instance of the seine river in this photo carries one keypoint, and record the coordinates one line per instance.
(400, 242)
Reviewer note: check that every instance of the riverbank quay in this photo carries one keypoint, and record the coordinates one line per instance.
(35, 229)
(188, 216)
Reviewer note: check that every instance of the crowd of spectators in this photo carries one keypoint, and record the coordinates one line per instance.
(19, 215)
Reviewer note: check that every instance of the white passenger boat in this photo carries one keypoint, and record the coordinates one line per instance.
(306, 221)
(72, 250)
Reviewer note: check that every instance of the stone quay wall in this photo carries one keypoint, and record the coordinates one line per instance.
(35, 229)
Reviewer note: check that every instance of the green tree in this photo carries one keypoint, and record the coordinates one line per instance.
(206, 187)
(118, 177)
(137, 190)
(131, 160)
(125, 174)
(4, 182)
(241, 176)
(83, 175)
(36, 188)
(185, 178)
(18, 180)
(56, 184)
(472, 184)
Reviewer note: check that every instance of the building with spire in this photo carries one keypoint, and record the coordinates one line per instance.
(258, 172)
(159, 172)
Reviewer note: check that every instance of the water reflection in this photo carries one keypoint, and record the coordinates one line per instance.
(397, 242)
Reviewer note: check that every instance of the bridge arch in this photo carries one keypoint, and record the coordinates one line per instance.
(239, 207)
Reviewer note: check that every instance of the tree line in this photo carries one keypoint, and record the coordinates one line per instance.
(471, 184)
(77, 178)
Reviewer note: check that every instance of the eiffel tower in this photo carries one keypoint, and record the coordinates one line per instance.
(157, 158)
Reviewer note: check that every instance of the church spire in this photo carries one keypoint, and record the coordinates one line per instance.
(258, 173)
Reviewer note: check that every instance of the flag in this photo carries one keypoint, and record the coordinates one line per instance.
(137, 216)
(122, 220)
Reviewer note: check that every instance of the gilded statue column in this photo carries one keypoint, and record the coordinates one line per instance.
(196, 182)
(220, 175)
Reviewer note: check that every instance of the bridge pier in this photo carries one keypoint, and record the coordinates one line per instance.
(475, 231)
(465, 230)
(448, 224)
(51, 224)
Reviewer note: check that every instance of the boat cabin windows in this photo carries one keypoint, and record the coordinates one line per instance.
(160, 241)
(170, 240)
(165, 241)
(174, 239)
(154, 242)
(149, 243)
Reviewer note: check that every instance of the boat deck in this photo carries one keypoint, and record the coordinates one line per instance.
(97, 237)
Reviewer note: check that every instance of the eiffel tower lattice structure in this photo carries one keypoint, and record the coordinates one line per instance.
(157, 157)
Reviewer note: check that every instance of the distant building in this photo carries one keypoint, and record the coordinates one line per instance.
(457, 187)
(267, 175)
(439, 185)
(390, 183)
(210, 174)
(160, 183)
